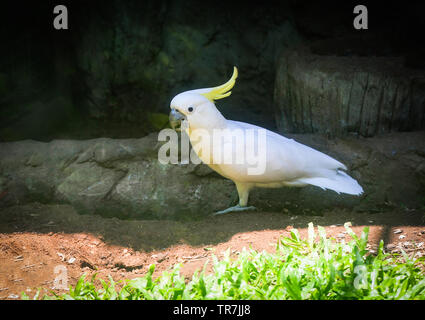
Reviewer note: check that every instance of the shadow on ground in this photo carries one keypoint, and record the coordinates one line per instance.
(149, 235)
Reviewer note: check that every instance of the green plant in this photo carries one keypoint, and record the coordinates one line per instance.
(316, 268)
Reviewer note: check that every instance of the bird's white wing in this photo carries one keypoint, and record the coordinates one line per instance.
(292, 158)
(292, 163)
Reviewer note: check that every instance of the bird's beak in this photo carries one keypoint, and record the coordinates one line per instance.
(175, 119)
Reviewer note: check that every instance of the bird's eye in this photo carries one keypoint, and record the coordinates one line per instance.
(190, 109)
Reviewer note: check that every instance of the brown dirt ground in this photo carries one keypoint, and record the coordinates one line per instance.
(36, 238)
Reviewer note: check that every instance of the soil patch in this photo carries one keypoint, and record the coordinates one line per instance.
(39, 241)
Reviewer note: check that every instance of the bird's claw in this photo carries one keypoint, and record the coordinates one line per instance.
(236, 208)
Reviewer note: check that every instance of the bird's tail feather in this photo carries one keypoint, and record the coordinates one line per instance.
(340, 183)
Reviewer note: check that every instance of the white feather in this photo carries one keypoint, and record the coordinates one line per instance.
(293, 164)
(340, 183)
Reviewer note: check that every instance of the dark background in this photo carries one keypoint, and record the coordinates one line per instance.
(115, 70)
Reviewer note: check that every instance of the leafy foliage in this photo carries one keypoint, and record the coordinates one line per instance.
(316, 268)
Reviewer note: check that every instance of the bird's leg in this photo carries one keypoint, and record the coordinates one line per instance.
(243, 192)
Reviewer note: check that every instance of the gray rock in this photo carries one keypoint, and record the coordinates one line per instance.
(123, 178)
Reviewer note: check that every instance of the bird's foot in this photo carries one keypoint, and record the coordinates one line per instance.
(236, 208)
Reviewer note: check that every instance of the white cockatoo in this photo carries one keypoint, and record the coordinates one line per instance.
(280, 161)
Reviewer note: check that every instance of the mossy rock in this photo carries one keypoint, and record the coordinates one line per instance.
(157, 121)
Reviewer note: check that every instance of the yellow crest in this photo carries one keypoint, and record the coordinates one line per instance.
(222, 91)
